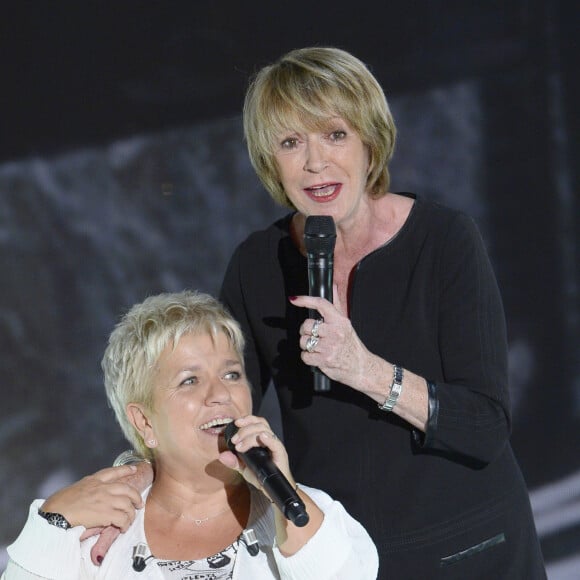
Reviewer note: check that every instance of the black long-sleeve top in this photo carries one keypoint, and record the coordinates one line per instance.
(428, 301)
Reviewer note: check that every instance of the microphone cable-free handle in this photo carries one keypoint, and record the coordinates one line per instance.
(319, 240)
(274, 482)
(321, 381)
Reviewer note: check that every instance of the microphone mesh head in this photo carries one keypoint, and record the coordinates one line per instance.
(320, 234)
(230, 431)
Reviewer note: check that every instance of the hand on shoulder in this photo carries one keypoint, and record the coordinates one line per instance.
(98, 500)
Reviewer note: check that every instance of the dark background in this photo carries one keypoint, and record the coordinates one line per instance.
(123, 173)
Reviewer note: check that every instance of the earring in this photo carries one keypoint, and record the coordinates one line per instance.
(152, 443)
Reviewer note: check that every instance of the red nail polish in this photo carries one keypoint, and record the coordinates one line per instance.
(292, 298)
(100, 560)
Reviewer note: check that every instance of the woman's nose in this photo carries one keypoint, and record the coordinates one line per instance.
(217, 392)
(315, 160)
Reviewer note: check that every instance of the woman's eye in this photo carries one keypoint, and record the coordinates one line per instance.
(289, 143)
(190, 381)
(338, 135)
(233, 376)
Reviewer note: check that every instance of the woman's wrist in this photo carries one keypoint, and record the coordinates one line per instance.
(55, 519)
(376, 379)
(129, 457)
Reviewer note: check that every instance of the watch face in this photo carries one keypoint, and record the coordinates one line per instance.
(127, 458)
(54, 519)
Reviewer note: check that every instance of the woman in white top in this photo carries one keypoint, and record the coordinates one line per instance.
(174, 375)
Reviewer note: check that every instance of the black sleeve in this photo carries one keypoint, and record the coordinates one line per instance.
(469, 408)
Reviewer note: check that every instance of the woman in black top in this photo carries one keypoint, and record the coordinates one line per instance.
(413, 436)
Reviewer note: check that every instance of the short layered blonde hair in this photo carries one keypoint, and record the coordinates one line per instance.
(141, 336)
(305, 89)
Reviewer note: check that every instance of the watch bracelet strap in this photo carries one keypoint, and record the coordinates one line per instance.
(395, 391)
(55, 519)
(129, 457)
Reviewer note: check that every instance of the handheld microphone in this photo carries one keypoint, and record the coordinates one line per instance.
(319, 239)
(259, 460)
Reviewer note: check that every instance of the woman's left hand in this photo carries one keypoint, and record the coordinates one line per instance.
(256, 432)
(332, 344)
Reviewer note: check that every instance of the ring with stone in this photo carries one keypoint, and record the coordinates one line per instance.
(315, 326)
(311, 343)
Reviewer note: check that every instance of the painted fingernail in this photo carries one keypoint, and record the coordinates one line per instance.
(100, 560)
(292, 298)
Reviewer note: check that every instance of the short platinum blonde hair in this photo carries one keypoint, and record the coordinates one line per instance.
(305, 89)
(138, 340)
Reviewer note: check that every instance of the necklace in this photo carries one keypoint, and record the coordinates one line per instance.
(196, 521)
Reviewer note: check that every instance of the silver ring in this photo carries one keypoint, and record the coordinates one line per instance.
(311, 343)
(315, 326)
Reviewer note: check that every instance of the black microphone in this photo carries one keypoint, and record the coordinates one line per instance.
(319, 239)
(259, 460)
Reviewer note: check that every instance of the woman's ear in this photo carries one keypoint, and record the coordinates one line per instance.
(139, 417)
